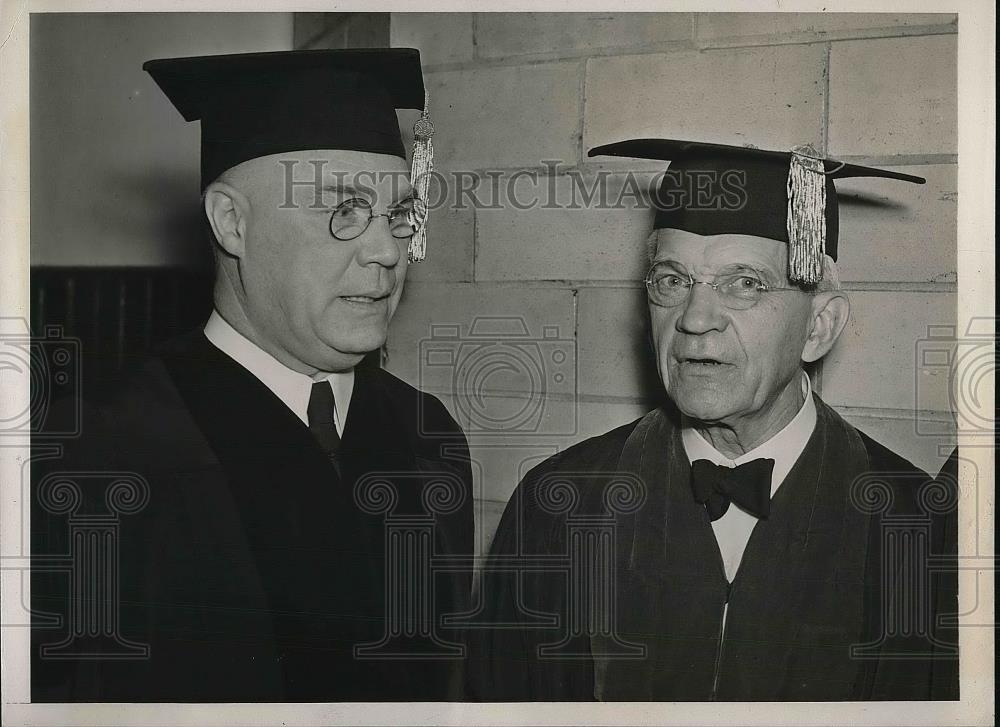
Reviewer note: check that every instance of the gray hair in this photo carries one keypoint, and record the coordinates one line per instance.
(831, 276)
(652, 242)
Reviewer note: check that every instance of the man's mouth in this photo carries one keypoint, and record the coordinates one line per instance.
(367, 299)
(702, 362)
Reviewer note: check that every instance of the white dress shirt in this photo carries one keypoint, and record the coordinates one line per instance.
(290, 386)
(732, 530)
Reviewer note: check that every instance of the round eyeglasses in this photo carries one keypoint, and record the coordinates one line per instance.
(351, 218)
(667, 287)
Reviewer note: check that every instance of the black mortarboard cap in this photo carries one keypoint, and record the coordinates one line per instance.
(256, 104)
(715, 189)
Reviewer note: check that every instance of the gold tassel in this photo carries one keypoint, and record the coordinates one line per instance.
(422, 165)
(806, 216)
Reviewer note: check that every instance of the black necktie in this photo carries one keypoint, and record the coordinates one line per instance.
(748, 485)
(321, 412)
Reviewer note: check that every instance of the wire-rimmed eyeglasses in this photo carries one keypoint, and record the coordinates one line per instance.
(351, 218)
(668, 287)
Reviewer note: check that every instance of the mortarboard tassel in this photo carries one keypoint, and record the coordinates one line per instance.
(806, 216)
(422, 166)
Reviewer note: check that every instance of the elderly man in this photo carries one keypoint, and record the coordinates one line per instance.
(737, 543)
(257, 569)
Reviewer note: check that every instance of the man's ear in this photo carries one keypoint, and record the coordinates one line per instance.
(227, 209)
(830, 311)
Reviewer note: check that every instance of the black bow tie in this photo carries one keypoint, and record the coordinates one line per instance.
(748, 485)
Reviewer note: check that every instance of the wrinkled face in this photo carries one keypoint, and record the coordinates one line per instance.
(324, 302)
(722, 365)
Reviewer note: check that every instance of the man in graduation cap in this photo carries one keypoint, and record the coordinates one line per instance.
(761, 549)
(257, 569)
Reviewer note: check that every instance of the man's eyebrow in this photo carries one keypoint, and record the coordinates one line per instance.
(348, 191)
(669, 261)
(764, 272)
(743, 268)
(344, 189)
(731, 269)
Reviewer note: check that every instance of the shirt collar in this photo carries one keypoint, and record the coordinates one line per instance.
(291, 387)
(784, 447)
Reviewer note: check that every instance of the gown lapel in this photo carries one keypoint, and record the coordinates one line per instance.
(795, 604)
(797, 600)
(672, 583)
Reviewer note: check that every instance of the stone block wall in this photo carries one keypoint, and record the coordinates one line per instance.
(518, 99)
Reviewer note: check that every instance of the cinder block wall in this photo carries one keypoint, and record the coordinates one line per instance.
(515, 92)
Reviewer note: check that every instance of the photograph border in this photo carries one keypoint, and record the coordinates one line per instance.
(976, 299)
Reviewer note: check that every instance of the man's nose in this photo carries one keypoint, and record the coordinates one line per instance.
(703, 311)
(378, 246)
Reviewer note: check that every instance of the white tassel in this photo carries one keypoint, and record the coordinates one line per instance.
(421, 167)
(806, 216)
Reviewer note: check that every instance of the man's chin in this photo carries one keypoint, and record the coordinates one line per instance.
(703, 409)
(357, 346)
(343, 355)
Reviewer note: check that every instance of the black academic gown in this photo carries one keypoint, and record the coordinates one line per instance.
(811, 583)
(257, 565)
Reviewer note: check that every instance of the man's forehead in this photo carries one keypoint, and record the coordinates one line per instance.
(334, 164)
(322, 171)
(716, 251)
